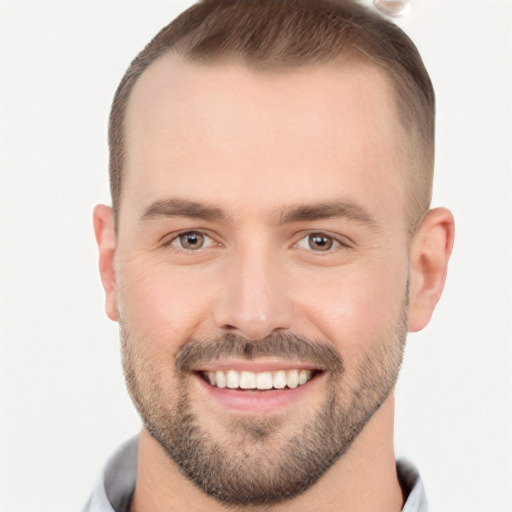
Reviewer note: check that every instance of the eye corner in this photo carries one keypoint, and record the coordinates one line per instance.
(198, 241)
(322, 243)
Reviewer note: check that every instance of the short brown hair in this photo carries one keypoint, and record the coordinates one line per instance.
(291, 33)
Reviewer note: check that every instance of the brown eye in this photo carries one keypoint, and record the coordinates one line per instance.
(319, 242)
(190, 241)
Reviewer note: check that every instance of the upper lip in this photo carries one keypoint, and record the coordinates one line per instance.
(256, 366)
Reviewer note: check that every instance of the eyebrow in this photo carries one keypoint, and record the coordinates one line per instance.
(176, 207)
(183, 208)
(329, 210)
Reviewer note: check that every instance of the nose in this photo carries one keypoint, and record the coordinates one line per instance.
(254, 301)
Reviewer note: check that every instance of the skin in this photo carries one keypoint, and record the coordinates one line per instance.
(256, 145)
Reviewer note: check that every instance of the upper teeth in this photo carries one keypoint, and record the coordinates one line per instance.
(262, 380)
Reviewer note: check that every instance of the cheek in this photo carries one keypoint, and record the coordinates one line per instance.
(356, 308)
(161, 307)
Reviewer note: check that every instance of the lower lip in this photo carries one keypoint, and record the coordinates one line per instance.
(257, 401)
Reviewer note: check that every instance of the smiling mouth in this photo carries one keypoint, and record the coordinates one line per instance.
(260, 381)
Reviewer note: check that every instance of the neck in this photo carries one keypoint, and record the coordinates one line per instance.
(364, 479)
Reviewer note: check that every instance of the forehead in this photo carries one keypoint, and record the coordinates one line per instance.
(233, 133)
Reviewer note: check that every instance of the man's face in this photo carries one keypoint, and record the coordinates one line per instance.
(262, 242)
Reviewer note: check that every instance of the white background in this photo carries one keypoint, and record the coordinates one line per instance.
(63, 407)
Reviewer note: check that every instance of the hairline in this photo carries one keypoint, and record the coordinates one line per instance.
(413, 155)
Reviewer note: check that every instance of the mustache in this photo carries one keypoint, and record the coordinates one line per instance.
(286, 346)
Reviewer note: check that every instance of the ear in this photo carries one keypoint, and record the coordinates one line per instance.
(104, 229)
(430, 251)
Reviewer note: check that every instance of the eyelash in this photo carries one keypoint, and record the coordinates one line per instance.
(174, 241)
(335, 243)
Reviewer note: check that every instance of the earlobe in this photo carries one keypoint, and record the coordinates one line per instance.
(429, 255)
(104, 230)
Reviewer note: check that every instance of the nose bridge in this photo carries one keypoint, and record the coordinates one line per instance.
(254, 301)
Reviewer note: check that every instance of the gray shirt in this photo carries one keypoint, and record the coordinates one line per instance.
(115, 486)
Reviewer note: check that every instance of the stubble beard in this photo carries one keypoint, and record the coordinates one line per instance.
(258, 461)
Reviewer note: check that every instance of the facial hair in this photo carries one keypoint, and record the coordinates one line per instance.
(259, 461)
